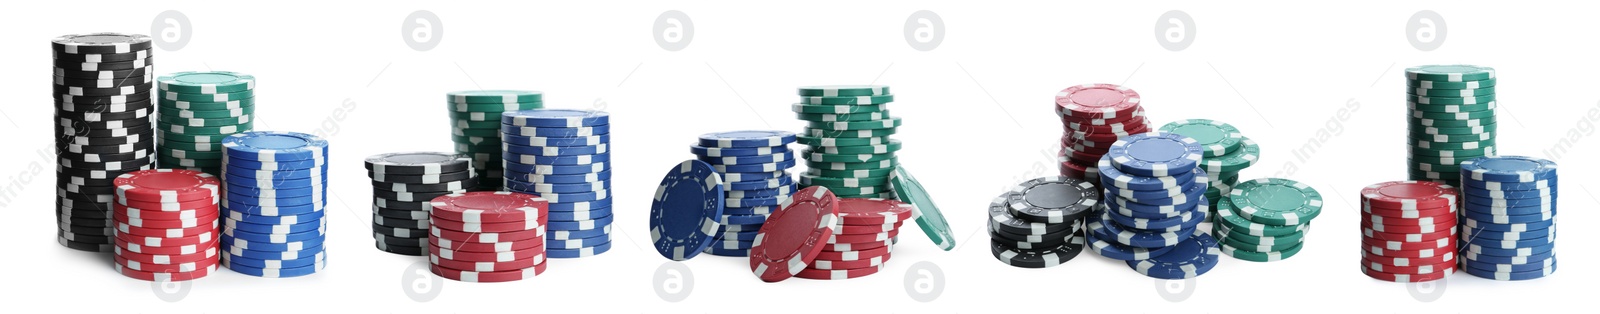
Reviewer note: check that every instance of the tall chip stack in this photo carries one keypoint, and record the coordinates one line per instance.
(277, 189)
(166, 224)
(847, 129)
(1093, 117)
(475, 127)
(1451, 119)
(102, 127)
(754, 168)
(562, 155)
(1039, 223)
(402, 185)
(1154, 203)
(198, 110)
(1226, 152)
(1508, 217)
(1408, 231)
(861, 242)
(1265, 220)
(487, 236)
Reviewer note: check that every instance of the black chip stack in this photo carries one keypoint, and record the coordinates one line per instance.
(102, 128)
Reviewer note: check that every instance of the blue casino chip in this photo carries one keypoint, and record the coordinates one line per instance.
(1097, 236)
(769, 167)
(1508, 169)
(579, 252)
(1189, 259)
(277, 165)
(268, 146)
(581, 206)
(577, 234)
(593, 224)
(579, 243)
(272, 263)
(747, 139)
(273, 255)
(555, 150)
(577, 215)
(275, 229)
(604, 175)
(559, 118)
(566, 160)
(685, 211)
(1155, 154)
(561, 141)
(1111, 177)
(540, 188)
(750, 160)
(545, 169)
(578, 132)
(716, 152)
(275, 272)
(274, 220)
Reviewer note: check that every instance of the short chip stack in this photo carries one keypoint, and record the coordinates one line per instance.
(166, 224)
(1265, 220)
(1226, 153)
(103, 129)
(754, 167)
(1408, 231)
(1039, 223)
(198, 110)
(1451, 119)
(561, 155)
(475, 127)
(1094, 116)
(847, 129)
(487, 236)
(1508, 217)
(277, 185)
(402, 185)
(1154, 204)
(861, 242)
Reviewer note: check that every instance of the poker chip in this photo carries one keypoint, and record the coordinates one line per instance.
(102, 84)
(559, 155)
(196, 127)
(685, 211)
(925, 212)
(1507, 217)
(475, 118)
(856, 242)
(752, 167)
(274, 225)
(793, 237)
(848, 127)
(476, 236)
(1188, 259)
(1389, 245)
(1452, 119)
(1275, 201)
(1282, 209)
(1094, 116)
(168, 241)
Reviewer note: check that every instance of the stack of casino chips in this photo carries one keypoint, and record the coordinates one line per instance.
(198, 110)
(475, 127)
(561, 155)
(274, 224)
(1265, 220)
(862, 241)
(1408, 231)
(847, 129)
(166, 224)
(402, 185)
(1508, 217)
(487, 236)
(754, 166)
(1154, 204)
(1226, 152)
(1451, 119)
(1039, 223)
(102, 129)
(1094, 116)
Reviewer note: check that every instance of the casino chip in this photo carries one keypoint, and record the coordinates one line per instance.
(276, 193)
(101, 86)
(1039, 223)
(856, 249)
(1226, 153)
(1094, 116)
(1452, 119)
(487, 236)
(848, 134)
(686, 209)
(928, 216)
(754, 169)
(562, 156)
(1508, 217)
(394, 196)
(166, 224)
(476, 128)
(1265, 220)
(795, 235)
(1395, 246)
(198, 110)
(1153, 203)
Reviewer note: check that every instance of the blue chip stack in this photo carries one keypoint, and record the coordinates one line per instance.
(754, 167)
(563, 156)
(276, 188)
(1155, 201)
(1508, 218)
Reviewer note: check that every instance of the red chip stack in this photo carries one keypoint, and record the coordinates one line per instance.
(1094, 116)
(1408, 231)
(863, 240)
(166, 224)
(487, 236)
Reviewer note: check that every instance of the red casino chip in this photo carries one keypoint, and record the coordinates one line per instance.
(473, 276)
(485, 256)
(133, 212)
(167, 242)
(823, 264)
(165, 277)
(1405, 277)
(166, 186)
(508, 226)
(486, 237)
(1408, 237)
(487, 247)
(1447, 242)
(872, 211)
(838, 274)
(207, 253)
(1441, 226)
(491, 207)
(869, 229)
(1408, 213)
(1408, 195)
(1410, 270)
(168, 233)
(487, 266)
(847, 247)
(166, 268)
(1409, 261)
(1429, 221)
(1097, 101)
(863, 238)
(204, 218)
(856, 255)
(793, 236)
(170, 207)
(164, 250)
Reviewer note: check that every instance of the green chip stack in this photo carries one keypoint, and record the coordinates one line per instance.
(199, 109)
(475, 128)
(1451, 119)
(1266, 220)
(1226, 153)
(847, 129)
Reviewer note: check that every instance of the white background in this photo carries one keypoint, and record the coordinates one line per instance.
(977, 112)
